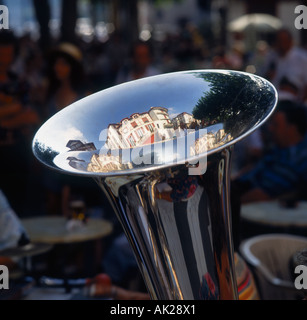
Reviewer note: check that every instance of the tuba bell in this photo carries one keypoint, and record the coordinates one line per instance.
(160, 149)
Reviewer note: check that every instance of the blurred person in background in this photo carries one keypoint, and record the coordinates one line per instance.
(256, 61)
(65, 78)
(281, 172)
(248, 151)
(288, 90)
(18, 122)
(12, 232)
(65, 84)
(287, 61)
(29, 65)
(140, 65)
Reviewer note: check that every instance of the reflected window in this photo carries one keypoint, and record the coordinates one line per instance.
(131, 141)
(150, 128)
(140, 133)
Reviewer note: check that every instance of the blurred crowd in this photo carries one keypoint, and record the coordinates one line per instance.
(35, 84)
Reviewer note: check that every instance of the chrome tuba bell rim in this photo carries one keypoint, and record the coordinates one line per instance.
(89, 120)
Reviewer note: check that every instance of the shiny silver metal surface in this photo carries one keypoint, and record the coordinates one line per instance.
(160, 149)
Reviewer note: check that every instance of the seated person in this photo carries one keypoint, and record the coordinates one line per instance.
(12, 232)
(283, 170)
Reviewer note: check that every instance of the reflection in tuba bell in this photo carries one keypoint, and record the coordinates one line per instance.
(160, 149)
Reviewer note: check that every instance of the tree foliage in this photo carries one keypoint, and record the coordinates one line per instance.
(233, 99)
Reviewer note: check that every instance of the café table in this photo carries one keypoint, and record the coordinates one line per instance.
(28, 250)
(85, 238)
(24, 255)
(273, 216)
(53, 230)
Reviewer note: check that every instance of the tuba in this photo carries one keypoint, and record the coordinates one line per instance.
(160, 149)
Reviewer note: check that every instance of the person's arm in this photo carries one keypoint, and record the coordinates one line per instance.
(101, 286)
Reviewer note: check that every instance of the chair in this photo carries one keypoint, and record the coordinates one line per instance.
(269, 257)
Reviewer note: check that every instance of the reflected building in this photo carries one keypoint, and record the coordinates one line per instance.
(144, 129)
(140, 129)
(183, 118)
(77, 145)
(106, 163)
(209, 141)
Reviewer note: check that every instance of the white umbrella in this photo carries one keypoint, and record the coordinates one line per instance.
(257, 21)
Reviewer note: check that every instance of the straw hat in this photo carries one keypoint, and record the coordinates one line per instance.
(70, 49)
